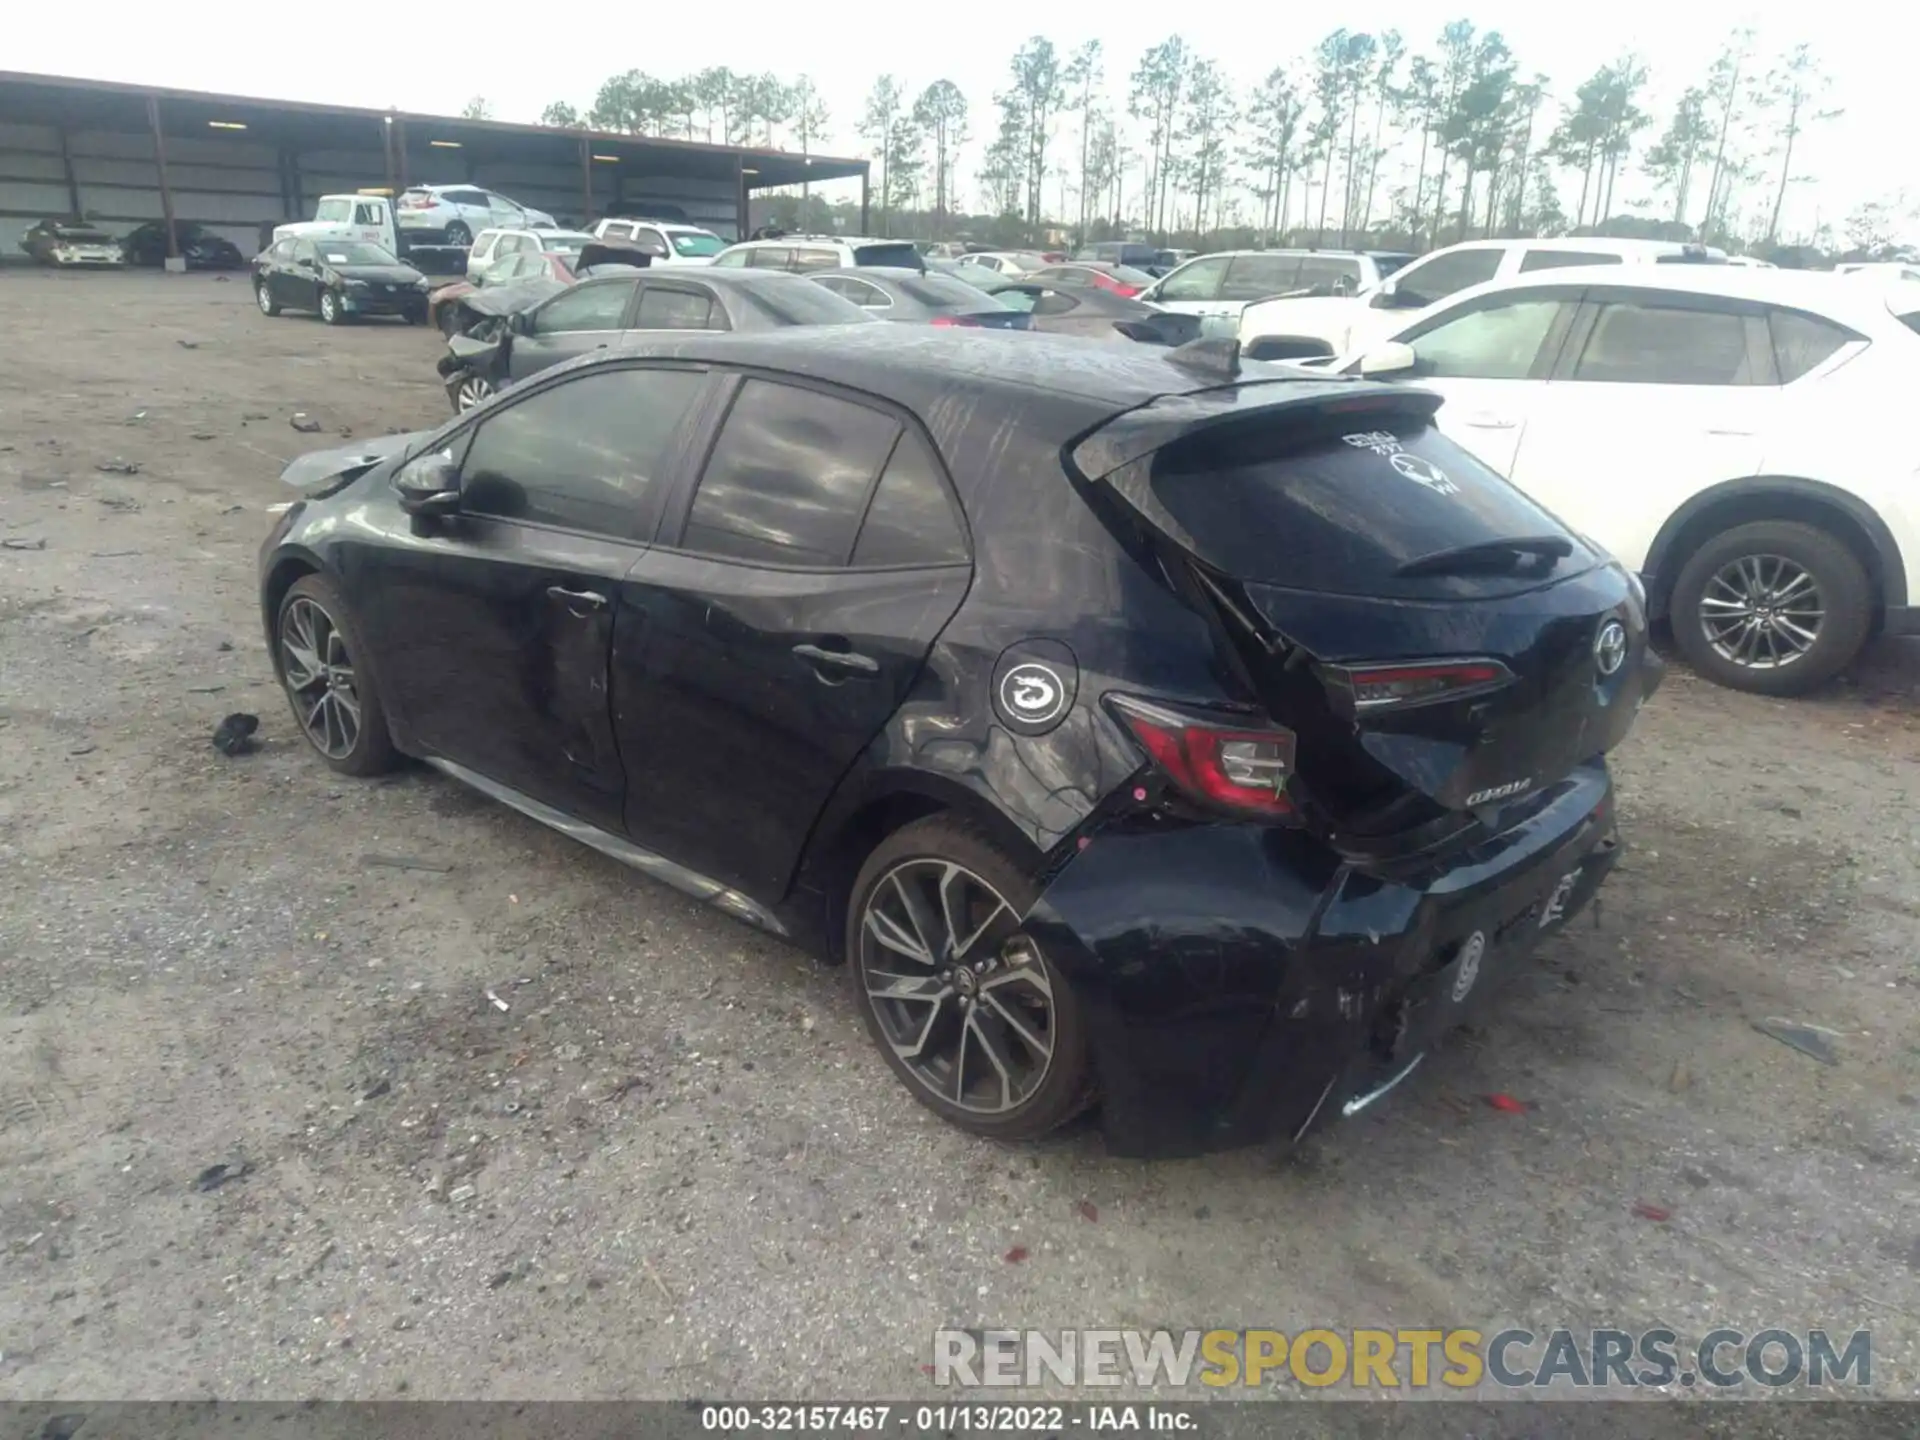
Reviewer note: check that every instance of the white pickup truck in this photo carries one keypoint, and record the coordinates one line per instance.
(367, 218)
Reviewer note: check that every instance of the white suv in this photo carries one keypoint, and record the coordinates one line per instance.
(1297, 329)
(666, 242)
(1723, 430)
(1224, 284)
(454, 214)
(802, 253)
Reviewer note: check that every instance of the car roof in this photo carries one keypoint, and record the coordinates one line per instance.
(1812, 290)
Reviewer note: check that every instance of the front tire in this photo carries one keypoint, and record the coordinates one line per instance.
(329, 686)
(966, 1008)
(264, 299)
(1775, 607)
(331, 311)
(473, 390)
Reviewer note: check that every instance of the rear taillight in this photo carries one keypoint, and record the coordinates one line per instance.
(1369, 689)
(1231, 766)
(1127, 292)
(954, 320)
(415, 202)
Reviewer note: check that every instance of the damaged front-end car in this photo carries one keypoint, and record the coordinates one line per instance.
(475, 367)
(71, 244)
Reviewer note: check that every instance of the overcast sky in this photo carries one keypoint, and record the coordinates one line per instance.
(527, 55)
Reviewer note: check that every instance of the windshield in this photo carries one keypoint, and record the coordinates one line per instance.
(82, 234)
(804, 303)
(354, 253)
(697, 243)
(564, 242)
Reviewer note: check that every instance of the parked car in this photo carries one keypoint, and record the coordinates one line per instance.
(1881, 270)
(1706, 424)
(919, 298)
(1093, 314)
(800, 253)
(454, 214)
(492, 247)
(72, 242)
(605, 312)
(1165, 260)
(1222, 285)
(1299, 328)
(200, 248)
(1199, 744)
(1004, 262)
(667, 243)
(648, 210)
(1136, 254)
(447, 310)
(339, 280)
(1121, 280)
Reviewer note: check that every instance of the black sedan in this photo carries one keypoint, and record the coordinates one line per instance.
(200, 248)
(1093, 314)
(919, 298)
(619, 305)
(1199, 744)
(339, 280)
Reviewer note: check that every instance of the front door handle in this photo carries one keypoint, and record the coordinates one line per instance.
(1487, 420)
(577, 599)
(838, 659)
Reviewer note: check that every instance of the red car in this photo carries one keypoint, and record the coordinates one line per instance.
(515, 269)
(1121, 280)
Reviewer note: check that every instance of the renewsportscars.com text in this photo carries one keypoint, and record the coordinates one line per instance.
(1402, 1359)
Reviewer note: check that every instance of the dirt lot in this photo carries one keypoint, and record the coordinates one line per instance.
(673, 1166)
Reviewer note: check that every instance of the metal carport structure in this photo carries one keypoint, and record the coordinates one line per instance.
(125, 154)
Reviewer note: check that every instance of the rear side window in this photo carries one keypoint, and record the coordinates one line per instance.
(672, 310)
(805, 259)
(899, 254)
(585, 454)
(1911, 321)
(911, 520)
(1201, 280)
(1649, 344)
(1326, 275)
(1801, 342)
(1561, 259)
(1434, 279)
(788, 477)
(1255, 277)
(1339, 509)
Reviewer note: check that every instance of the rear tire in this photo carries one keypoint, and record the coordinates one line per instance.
(981, 1027)
(459, 234)
(1801, 581)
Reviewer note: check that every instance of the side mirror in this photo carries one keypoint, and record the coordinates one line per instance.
(1387, 297)
(1392, 358)
(428, 486)
(307, 263)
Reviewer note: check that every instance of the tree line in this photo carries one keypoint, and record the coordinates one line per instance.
(1365, 137)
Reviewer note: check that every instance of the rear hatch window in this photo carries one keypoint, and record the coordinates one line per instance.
(803, 303)
(942, 292)
(1357, 505)
(899, 253)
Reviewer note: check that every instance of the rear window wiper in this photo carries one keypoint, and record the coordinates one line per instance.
(1503, 554)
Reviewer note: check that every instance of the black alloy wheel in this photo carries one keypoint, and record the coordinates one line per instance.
(1775, 607)
(962, 1002)
(334, 698)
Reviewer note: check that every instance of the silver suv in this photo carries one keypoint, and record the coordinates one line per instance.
(1224, 284)
(801, 253)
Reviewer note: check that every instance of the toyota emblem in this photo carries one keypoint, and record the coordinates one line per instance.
(1610, 648)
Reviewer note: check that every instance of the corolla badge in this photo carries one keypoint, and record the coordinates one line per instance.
(1610, 648)
(1033, 692)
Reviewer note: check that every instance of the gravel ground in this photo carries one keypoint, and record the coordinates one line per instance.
(673, 1166)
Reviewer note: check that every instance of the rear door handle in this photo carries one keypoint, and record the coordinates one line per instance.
(838, 659)
(1487, 420)
(577, 599)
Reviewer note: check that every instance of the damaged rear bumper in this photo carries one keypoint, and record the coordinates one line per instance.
(1242, 984)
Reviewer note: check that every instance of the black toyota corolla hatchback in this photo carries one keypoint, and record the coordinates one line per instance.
(1196, 741)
